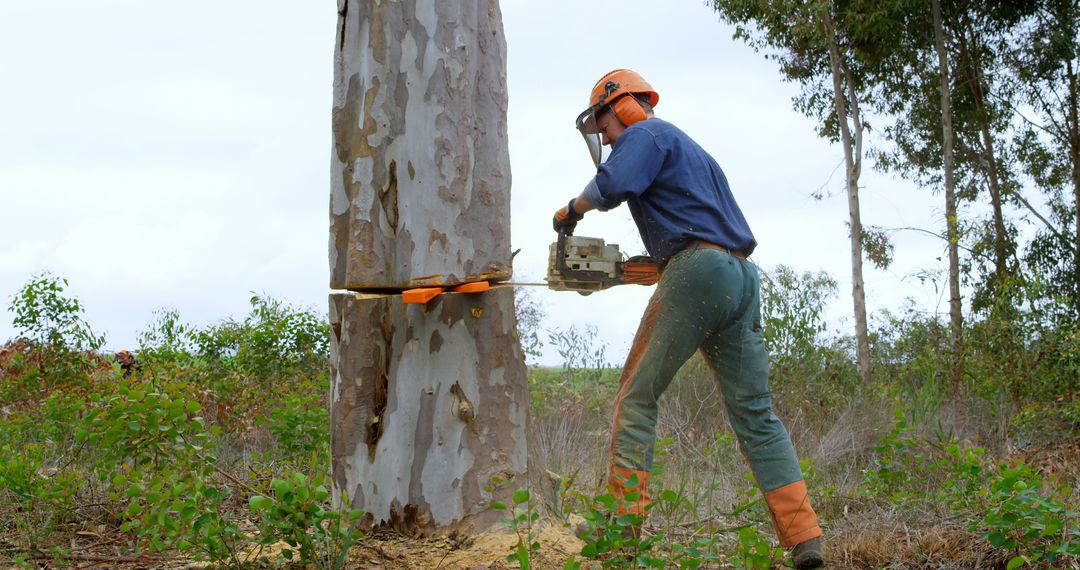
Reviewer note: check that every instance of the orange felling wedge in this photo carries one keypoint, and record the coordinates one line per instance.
(474, 287)
(420, 295)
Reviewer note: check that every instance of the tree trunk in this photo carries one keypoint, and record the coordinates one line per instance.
(956, 318)
(852, 143)
(429, 402)
(1074, 156)
(420, 179)
(429, 408)
(978, 94)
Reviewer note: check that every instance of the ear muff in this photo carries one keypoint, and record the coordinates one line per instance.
(628, 110)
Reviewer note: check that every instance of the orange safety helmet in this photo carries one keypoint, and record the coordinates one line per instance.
(617, 90)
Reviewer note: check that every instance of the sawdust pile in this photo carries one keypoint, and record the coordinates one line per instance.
(486, 551)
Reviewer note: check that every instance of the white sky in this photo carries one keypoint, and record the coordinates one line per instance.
(177, 154)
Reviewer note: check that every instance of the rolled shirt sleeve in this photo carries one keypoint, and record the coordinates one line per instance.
(592, 192)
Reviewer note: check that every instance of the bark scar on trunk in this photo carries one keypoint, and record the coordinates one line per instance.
(388, 196)
(376, 423)
(342, 13)
(464, 410)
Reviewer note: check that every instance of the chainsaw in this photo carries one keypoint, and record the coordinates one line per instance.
(586, 265)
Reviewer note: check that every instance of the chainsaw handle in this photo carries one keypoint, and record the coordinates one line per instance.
(560, 251)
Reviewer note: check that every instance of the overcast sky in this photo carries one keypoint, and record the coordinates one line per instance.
(177, 154)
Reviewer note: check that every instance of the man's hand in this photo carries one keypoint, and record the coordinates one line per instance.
(566, 218)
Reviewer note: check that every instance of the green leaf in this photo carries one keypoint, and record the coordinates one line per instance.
(1016, 562)
(258, 502)
(996, 539)
(521, 496)
(608, 501)
(498, 506)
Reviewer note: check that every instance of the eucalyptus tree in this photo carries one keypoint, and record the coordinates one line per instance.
(901, 45)
(1042, 56)
(979, 29)
(429, 402)
(956, 315)
(808, 39)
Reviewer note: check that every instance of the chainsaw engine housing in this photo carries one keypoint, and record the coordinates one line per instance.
(588, 264)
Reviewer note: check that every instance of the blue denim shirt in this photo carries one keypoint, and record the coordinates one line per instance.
(676, 192)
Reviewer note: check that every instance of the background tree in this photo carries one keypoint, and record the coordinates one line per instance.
(808, 39)
(952, 233)
(1041, 56)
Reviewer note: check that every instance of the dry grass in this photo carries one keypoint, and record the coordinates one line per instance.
(904, 547)
(861, 531)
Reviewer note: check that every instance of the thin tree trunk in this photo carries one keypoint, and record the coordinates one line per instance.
(969, 54)
(1074, 155)
(956, 318)
(852, 144)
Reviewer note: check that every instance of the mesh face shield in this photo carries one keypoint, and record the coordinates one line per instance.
(586, 125)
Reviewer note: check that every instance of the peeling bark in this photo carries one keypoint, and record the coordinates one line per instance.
(451, 423)
(429, 402)
(420, 150)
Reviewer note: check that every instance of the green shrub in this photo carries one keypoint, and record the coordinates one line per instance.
(1010, 506)
(275, 350)
(1039, 529)
(1046, 423)
(529, 315)
(301, 428)
(810, 373)
(275, 343)
(153, 450)
(52, 320)
(298, 513)
(608, 537)
(167, 342)
(522, 521)
(897, 469)
(37, 494)
(584, 356)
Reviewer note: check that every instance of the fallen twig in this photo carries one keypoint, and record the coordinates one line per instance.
(97, 558)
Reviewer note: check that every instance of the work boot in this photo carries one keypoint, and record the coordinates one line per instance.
(807, 554)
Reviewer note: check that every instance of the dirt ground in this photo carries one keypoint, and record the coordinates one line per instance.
(388, 550)
(487, 551)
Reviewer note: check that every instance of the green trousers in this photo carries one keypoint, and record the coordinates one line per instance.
(708, 300)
